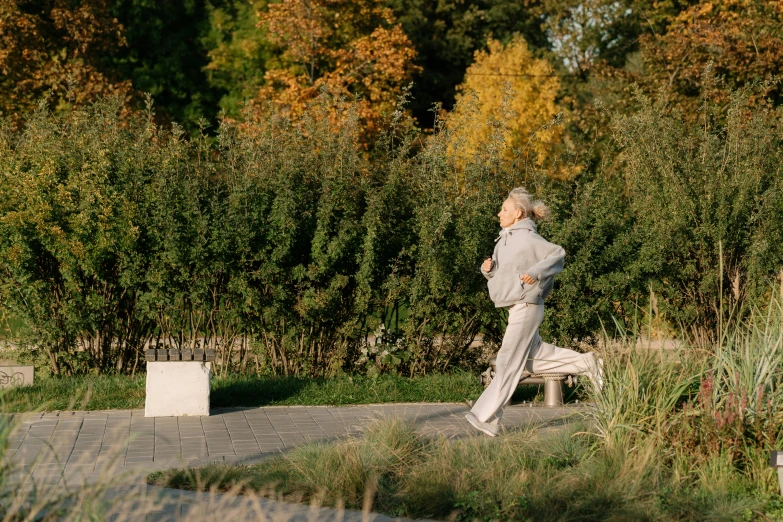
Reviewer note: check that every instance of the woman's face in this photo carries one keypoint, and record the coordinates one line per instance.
(509, 214)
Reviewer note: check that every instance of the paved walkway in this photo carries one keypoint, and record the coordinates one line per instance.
(71, 449)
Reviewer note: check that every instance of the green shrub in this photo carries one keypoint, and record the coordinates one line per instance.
(286, 247)
(279, 245)
(684, 219)
(70, 263)
(706, 196)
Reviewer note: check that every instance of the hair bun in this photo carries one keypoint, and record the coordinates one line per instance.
(540, 210)
(522, 201)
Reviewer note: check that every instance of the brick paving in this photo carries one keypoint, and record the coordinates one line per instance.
(71, 448)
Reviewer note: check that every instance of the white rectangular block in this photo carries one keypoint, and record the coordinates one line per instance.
(16, 375)
(177, 388)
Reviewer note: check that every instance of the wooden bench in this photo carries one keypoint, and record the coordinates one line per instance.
(177, 382)
(553, 383)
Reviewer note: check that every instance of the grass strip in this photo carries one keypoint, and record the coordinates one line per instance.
(109, 392)
(534, 474)
(344, 390)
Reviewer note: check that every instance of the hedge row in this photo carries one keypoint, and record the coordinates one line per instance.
(284, 245)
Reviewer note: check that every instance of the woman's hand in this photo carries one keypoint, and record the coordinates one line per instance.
(527, 279)
(487, 266)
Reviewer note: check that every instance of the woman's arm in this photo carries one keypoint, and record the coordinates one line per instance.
(551, 265)
(488, 268)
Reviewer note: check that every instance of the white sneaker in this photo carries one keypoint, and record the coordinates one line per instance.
(489, 429)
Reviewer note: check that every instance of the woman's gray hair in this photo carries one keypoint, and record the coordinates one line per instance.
(522, 201)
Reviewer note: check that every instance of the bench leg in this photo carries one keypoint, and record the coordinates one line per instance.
(553, 394)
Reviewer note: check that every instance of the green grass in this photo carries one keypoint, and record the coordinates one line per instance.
(525, 475)
(105, 392)
(108, 392)
(251, 391)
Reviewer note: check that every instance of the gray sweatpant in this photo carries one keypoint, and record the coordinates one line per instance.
(523, 350)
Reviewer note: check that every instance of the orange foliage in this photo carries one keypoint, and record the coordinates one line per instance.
(351, 48)
(743, 39)
(46, 48)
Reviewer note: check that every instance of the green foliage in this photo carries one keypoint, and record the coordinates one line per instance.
(69, 235)
(596, 284)
(386, 352)
(165, 57)
(238, 52)
(707, 200)
(10, 326)
(688, 216)
(115, 235)
(296, 196)
(284, 246)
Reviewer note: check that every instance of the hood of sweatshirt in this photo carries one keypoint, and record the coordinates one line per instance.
(522, 224)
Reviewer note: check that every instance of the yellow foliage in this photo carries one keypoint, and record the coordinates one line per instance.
(506, 90)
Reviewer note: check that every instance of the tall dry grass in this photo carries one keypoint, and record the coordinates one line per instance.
(532, 474)
(681, 434)
(25, 497)
(705, 405)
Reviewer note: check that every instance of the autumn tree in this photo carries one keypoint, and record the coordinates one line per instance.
(351, 48)
(688, 50)
(738, 41)
(507, 89)
(55, 46)
(446, 33)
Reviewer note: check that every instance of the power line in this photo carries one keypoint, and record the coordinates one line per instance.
(523, 75)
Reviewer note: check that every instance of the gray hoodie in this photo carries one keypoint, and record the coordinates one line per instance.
(520, 250)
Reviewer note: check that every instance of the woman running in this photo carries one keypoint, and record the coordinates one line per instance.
(520, 275)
